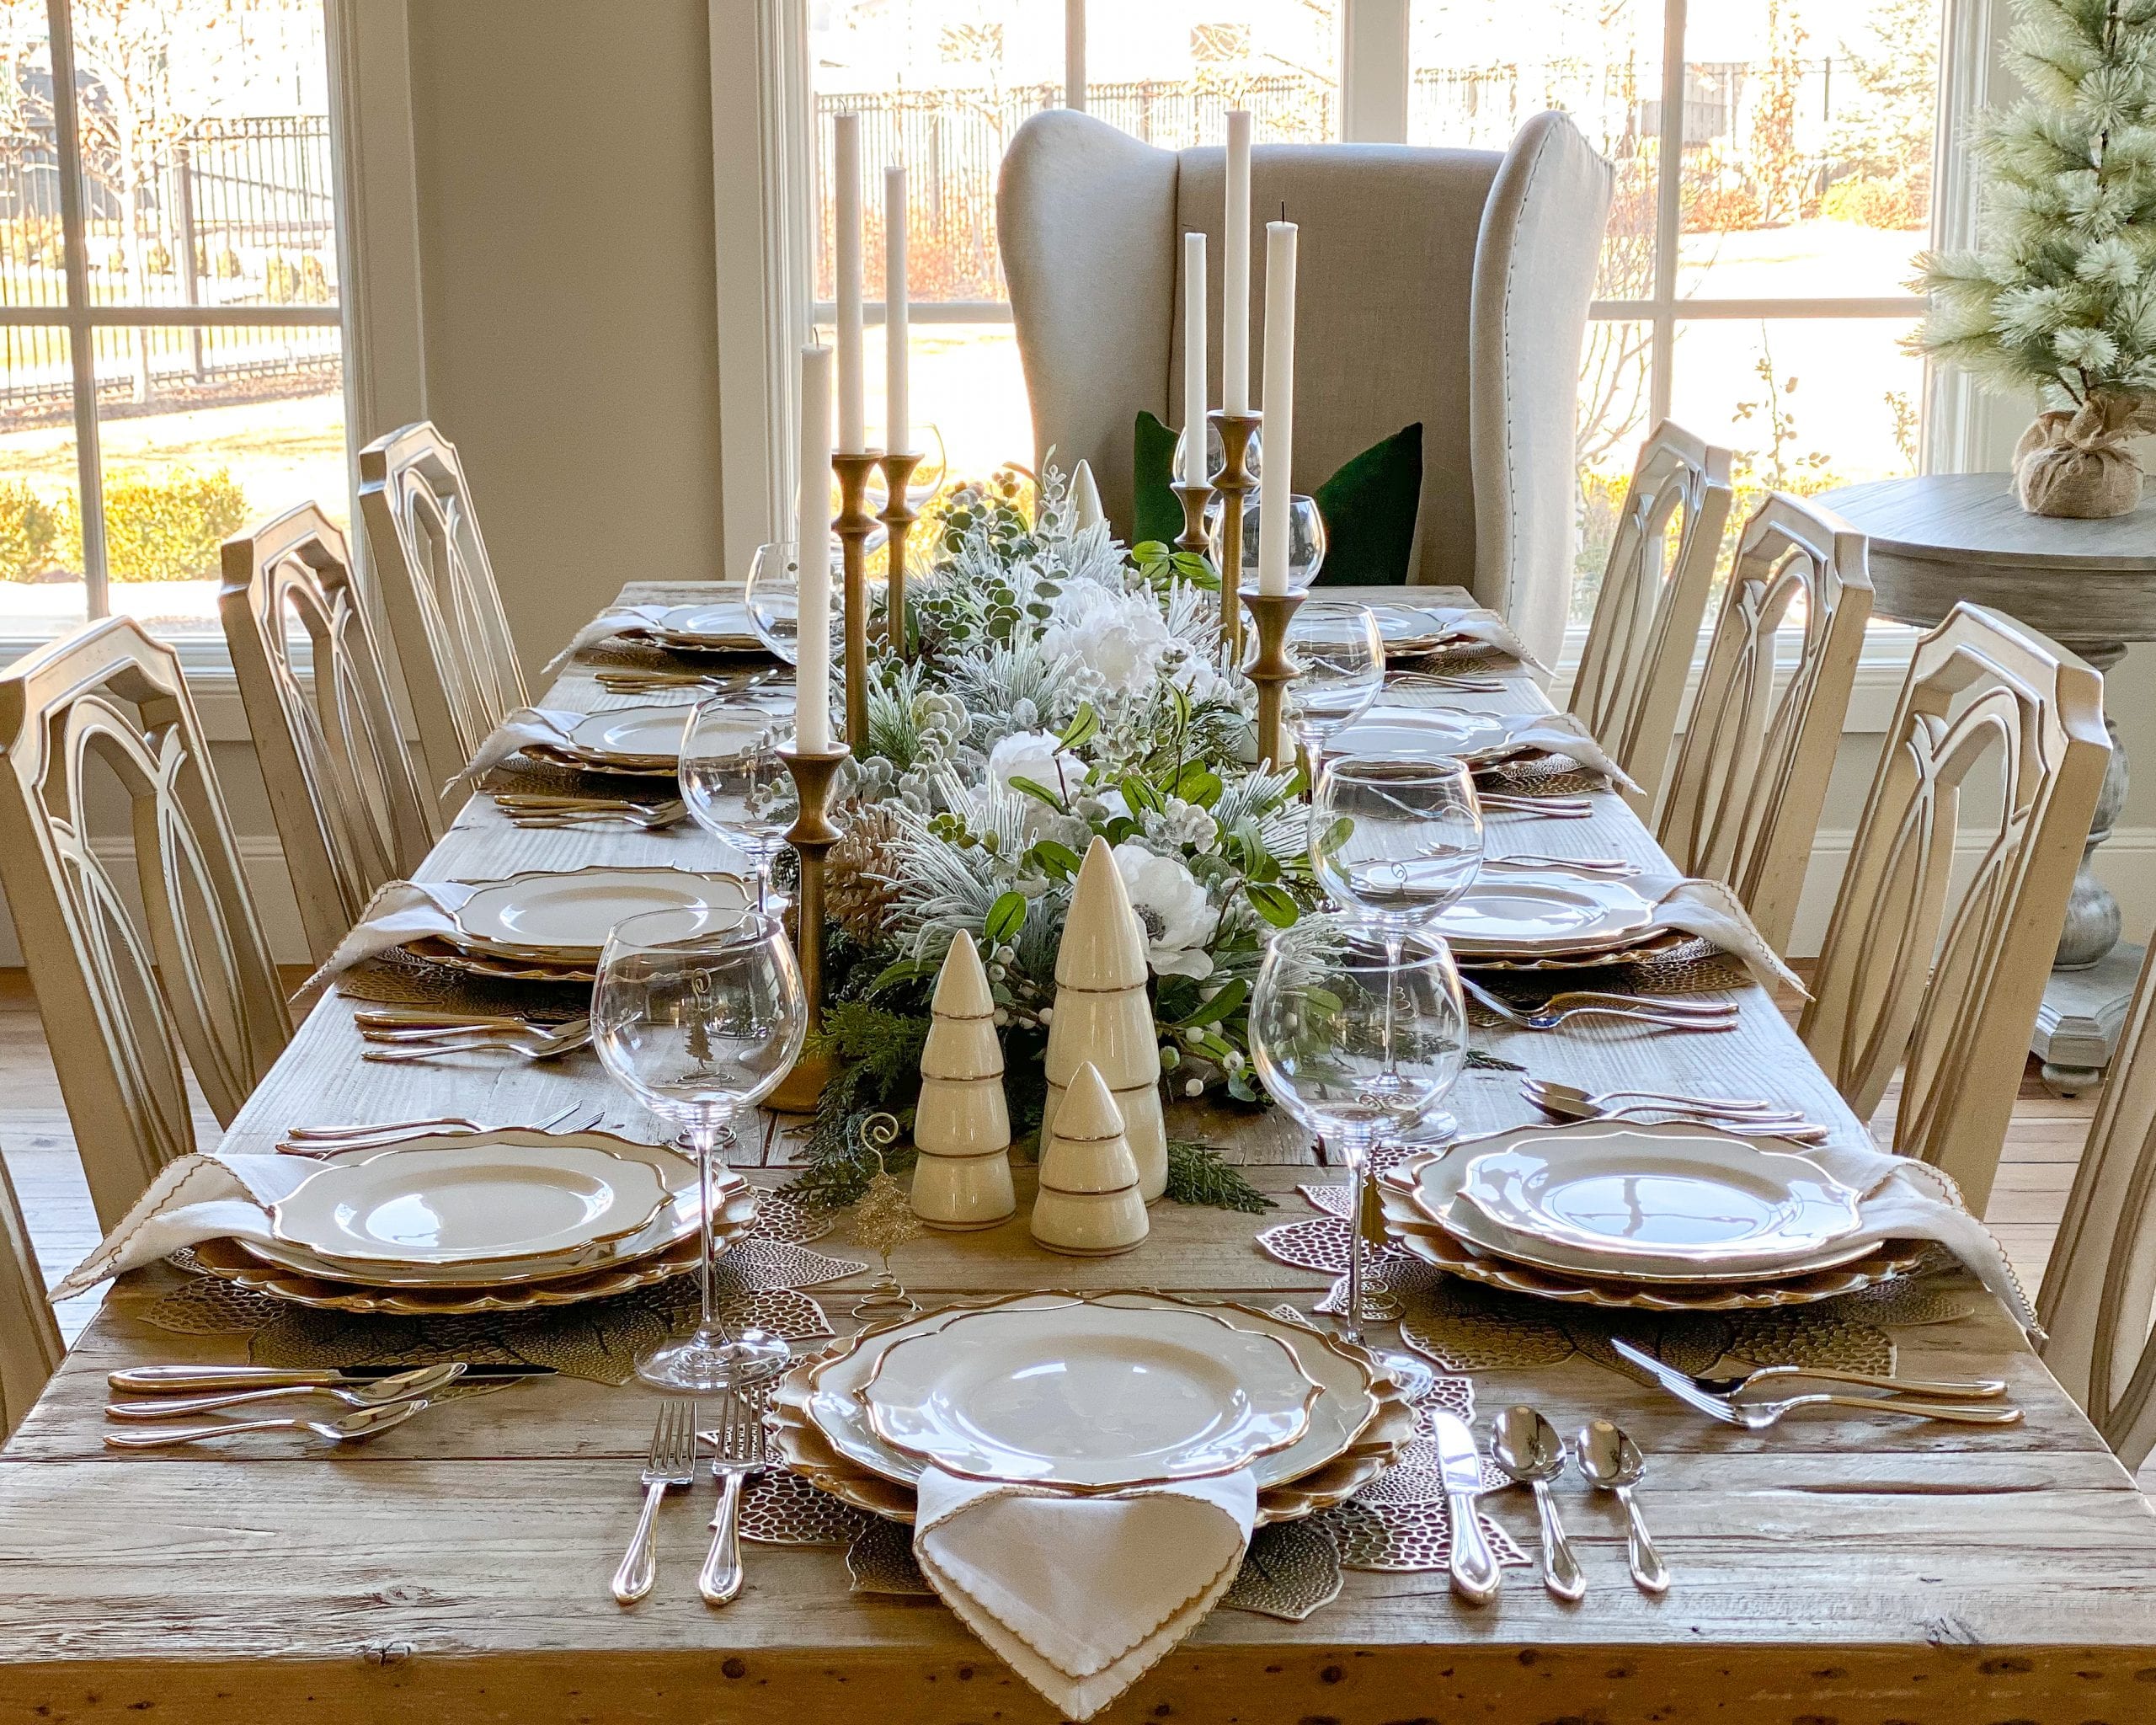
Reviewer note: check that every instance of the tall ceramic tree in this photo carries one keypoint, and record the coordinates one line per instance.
(2060, 299)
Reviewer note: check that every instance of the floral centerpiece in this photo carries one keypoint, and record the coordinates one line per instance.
(1059, 686)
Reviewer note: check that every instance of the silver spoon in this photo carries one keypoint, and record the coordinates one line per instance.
(1532, 1453)
(351, 1428)
(1612, 1461)
(1572, 1095)
(1737, 1125)
(421, 1380)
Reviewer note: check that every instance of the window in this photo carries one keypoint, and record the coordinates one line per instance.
(1758, 293)
(171, 360)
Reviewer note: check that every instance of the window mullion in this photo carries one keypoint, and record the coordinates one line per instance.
(1373, 73)
(1074, 55)
(1669, 189)
(82, 338)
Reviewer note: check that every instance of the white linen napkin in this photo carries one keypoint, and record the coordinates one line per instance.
(1476, 623)
(550, 725)
(400, 910)
(1081, 1595)
(195, 1197)
(1560, 734)
(1710, 910)
(607, 623)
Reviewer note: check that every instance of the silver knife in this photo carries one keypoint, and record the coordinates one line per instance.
(166, 1380)
(1469, 1560)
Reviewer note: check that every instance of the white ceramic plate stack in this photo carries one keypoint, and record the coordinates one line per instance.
(1552, 922)
(1479, 739)
(551, 927)
(495, 1220)
(1089, 1393)
(722, 626)
(1608, 1211)
(1413, 632)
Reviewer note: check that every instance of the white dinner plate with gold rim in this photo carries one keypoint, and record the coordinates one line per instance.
(677, 1220)
(1544, 914)
(1089, 1398)
(1337, 1417)
(1409, 630)
(566, 916)
(1422, 732)
(724, 627)
(642, 734)
(468, 1204)
(1435, 1189)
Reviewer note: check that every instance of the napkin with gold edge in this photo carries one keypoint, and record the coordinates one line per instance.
(549, 727)
(194, 1198)
(607, 624)
(1712, 912)
(1082, 1595)
(401, 911)
(1475, 623)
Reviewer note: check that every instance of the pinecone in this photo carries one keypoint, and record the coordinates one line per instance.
(860, 873)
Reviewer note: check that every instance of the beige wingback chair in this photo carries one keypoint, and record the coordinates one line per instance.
(1448, 286)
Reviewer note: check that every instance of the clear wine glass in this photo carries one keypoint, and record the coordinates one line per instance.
(1341, 651)
(1306, 542)
(1216, 454)
(1396, 840)
(774, 598)
(1358, 1031)
(698, 1014)
(735, 785)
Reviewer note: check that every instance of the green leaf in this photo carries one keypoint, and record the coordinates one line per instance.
(1033, 787)
(1334, 836)
(1197, 783)
(1221, 1006)
(1006, 916)
(1059, 860)
(1272, 903)
(905, 970)
(1140, 792)
(1085, 725)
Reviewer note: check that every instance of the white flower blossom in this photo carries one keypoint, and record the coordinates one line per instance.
(1120, 637)
(1178, 917)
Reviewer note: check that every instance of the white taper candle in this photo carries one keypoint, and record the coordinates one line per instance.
(812, 687)
(845, 251)
(1279, 407)
(898, 404)
(1234, 274)
(1193, 359)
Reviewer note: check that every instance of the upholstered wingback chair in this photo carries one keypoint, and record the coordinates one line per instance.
(1447, 286)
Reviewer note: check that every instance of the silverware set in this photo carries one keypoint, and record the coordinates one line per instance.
(332, 1141)
(533, 809)
(1659, 1011)
(1723, 1399)
(738, 1453)
(381, 1398)
(623, 681)
(1746, 1119)
(1518, 802)
(1450, 682)
(401, 1037)
(1599, 867)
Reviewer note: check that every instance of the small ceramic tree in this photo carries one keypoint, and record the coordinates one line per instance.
(1088, 1205)
(962, 1125)
(1103, 1015)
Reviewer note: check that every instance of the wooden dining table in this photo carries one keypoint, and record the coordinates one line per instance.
(1842, 1568)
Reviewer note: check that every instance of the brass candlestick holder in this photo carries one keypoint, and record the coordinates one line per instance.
(811, 836)
(897, 519)
(1234, 482)
(853, 526)
(1193, 498)
(1274, 669)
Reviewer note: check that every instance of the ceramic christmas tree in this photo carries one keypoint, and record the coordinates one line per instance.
(960, 1126)
(1103, 1016)
(1088, 1205)
(1085, 510)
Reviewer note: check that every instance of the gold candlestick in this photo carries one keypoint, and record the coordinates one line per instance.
(1194, 497)
(898, 518)
(811, 836)
(1273, 668)
(853, 526)
(1234, 482)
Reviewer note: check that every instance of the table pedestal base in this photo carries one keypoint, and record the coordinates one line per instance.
(2078, 1025)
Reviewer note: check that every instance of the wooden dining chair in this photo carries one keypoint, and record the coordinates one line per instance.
(1751, 778)
(1951, 998)
(2099, 1295)
(137, 986)
(350, 807)
(31, 1348)
(452, 639)
(1646, 614)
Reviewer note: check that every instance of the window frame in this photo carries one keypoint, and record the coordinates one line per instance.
(82, 318)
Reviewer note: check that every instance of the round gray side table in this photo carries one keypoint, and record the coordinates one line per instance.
(2091, 586)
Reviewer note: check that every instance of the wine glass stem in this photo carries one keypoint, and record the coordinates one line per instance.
(763, 881)
(704, 1137)
(1358, 1176)
(1395, 943)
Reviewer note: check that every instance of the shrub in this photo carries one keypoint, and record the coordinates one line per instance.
(28, 527)
(1894, 203)
(166, 529)
(281, 279)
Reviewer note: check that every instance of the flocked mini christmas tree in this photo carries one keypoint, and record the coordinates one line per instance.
(2060, 300)
(962, 1124)
(1103, 1015)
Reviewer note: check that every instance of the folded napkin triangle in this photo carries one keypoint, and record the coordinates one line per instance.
(1080, 1595)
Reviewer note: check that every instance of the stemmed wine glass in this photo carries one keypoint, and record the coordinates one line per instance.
(773, 598)
(1340, 652)
(1306, 541)
(1216, 453)
(735, 785)
(1396, 839)
(698, 1013)
(1358, 1032)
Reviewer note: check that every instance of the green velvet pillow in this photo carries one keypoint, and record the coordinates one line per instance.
(1368, 506)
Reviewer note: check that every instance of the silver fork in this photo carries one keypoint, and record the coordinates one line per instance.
(1547, 1019)
(1610, 868)
(737, 1453)
(1555, 808)
(549, 1046)
(332, 1141)
(1758, 1416)
(673, 1462)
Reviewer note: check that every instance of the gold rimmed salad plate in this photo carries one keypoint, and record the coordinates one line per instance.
(1085, 1397)
(1544, 916)
(722, 626)
(565, 916)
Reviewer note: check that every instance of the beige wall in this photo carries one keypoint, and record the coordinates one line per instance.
(564, 163)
